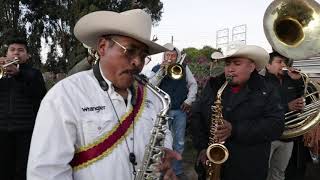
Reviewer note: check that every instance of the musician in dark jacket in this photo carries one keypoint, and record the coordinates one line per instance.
(252, 116)
(290, 86)
(21, 91)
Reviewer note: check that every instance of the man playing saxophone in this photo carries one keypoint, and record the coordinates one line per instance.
(252, 116)
(96, 124)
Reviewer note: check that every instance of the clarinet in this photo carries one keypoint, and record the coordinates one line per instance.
(153, 153)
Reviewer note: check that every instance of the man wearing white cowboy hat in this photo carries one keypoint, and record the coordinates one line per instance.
(216, 67)
(95, 124)
(252, 116)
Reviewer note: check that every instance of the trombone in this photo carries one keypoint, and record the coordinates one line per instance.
(3, 71)
(175, 71)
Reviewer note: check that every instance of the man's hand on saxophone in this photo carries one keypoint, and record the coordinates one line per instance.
(165, 166)
(223, 131)
(202, 157)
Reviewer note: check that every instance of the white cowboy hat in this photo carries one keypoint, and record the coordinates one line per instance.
(216, 55)
(134, 23)
(255, 53)
(171, 47)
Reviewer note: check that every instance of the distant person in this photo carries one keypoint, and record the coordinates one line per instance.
(182, 92)
(290, 87)
(21, 90)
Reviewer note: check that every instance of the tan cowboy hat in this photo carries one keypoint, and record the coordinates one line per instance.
(255, 53)
(134, 23)
(171, 47)
(216, 55)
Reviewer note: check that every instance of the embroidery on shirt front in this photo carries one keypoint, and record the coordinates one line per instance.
(97, 109)
(102, 147)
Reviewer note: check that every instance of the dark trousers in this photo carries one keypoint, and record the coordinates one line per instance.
(14, 153)
(296, 168)
(200, 169)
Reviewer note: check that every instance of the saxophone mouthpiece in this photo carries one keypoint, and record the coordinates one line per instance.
(229, 78)
(141, 78)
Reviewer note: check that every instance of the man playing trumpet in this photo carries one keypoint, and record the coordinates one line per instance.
(21, 91)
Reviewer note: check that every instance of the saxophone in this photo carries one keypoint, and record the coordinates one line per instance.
(153, 153)
(217, 153)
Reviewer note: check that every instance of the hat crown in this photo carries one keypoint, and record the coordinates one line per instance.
(255, 53)
(135, 23)
(216, 55)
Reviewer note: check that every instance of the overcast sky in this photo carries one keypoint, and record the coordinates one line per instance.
(194, 23)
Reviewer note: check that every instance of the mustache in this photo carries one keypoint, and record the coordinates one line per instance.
(131, 71)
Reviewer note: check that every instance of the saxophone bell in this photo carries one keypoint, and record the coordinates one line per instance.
(217, 153)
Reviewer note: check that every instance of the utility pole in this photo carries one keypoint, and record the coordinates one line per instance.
(171, 39)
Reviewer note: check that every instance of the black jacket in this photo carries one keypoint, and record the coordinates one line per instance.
(256, 116)
(20, 98)
(289, 89)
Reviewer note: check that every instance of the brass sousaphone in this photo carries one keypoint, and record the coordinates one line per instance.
(292, 28)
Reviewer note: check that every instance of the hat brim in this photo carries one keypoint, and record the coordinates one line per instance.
(255, 53)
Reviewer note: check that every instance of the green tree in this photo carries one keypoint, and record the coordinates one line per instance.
(199, 62)
(53, 22)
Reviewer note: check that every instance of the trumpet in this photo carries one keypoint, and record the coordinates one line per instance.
(3, 71)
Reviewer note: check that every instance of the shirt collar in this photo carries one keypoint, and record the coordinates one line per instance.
(111, 88)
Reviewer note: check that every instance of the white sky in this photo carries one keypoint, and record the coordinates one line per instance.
(194, 23)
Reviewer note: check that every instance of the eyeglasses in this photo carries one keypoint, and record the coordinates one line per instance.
(132, 53)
